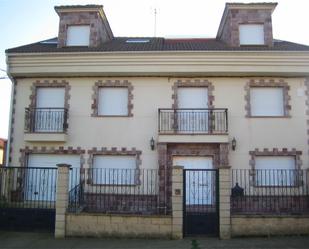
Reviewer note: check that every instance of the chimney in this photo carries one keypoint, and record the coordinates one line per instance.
(83, 25)
(247, 24)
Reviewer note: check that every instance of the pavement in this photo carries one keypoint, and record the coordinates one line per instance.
(46, 241)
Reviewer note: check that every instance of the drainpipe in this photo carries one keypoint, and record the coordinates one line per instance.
(8, 145)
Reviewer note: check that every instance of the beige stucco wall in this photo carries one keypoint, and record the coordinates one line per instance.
(98, 225)
(151, 93)
(264, 226)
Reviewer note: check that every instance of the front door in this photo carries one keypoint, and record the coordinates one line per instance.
(200, 195)
(192, 116)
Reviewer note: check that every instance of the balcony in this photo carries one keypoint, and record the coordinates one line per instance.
(183, 125)
(46, 124)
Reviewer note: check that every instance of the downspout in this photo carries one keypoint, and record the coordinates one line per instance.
(8, 145)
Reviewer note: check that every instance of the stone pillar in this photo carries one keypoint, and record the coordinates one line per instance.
(62, 198)
(177, 202)
(225, 203)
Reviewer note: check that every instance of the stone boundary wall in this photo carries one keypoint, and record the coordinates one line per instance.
(128, 226)
(259, 225)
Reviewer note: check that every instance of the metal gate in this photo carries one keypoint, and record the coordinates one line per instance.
(27, 198)
(201, 202)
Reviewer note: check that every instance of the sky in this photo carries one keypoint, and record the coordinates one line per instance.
(27, 21)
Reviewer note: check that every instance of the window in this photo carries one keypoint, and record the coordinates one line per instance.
(113, 101)
(267, 101)
(251, 34)
(78, 35)
(275, 171)
(193, 115)
(116, 170)
(49, 114)
(137, 40)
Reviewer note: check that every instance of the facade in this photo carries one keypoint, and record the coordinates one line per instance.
(124, 111)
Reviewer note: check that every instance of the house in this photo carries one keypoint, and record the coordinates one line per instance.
(166, 137)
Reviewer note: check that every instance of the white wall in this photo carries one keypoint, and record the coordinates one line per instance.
(153, 93)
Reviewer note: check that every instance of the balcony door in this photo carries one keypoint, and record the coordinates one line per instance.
(49, 112)
(192, 115)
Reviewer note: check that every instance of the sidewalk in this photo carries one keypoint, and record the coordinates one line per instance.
(44, 240)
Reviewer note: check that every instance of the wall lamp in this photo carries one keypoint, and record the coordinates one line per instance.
(152, 143)
(233, 143)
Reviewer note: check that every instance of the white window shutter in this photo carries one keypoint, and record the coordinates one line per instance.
(78, 35)
(275, 162)
(266, 101)
(275, 171)
(114, 169)
(113, 101)
(192, 97)
(251, 34)
(50, 97)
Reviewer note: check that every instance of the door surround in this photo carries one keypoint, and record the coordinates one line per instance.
(166, 151)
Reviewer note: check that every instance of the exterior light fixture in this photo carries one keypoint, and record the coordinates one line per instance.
(233, 143)
(152, 143)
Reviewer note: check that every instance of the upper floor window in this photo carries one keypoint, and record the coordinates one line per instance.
(49, 115)
(78, 35)
(251, 34)
(267, 101)
(113, 101)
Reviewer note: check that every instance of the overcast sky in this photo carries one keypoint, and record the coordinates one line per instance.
(26, 21)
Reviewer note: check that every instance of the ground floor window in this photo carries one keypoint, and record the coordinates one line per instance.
(114, 169)
(275, 171)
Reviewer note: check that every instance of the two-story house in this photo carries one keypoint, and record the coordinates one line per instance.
(117, 108)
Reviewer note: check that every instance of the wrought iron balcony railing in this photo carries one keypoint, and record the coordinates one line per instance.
(46, 120)
(184, 121)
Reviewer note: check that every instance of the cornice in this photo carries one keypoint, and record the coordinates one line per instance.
(160, 63)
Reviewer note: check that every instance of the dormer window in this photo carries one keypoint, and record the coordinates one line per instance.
(78, 35)
(251, 34)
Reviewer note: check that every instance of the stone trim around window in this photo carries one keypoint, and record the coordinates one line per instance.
(50, 83)
(116, 152)
(111, 83)
(268, 83)
(193, 83)
(276, 152)
(50, 150)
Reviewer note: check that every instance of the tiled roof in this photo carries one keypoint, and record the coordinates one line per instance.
(120, 44)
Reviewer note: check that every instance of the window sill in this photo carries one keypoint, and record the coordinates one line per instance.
(254, 45)
(46, 137)
(112, 116)
(287, 116)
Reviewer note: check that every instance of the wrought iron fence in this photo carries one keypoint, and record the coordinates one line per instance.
(25, 187)
(196, 120)
(277, 191)
(132, 191)
(46, 120)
